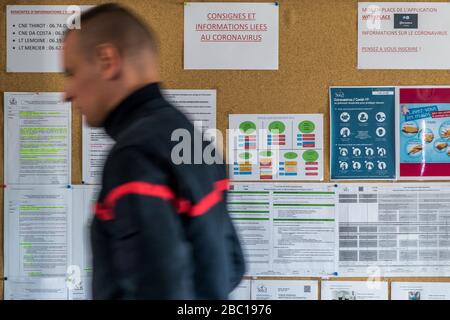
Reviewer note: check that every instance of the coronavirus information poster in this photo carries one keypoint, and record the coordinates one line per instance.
(231, 36)
(424, 132)
(362, 127)
(403, 35)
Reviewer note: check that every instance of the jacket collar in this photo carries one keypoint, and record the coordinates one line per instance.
(123, 115)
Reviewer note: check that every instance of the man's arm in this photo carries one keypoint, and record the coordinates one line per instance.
(219, 262)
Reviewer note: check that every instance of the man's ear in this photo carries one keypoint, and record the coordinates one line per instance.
(109, 60)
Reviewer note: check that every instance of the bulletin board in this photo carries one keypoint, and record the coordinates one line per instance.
(317, 49)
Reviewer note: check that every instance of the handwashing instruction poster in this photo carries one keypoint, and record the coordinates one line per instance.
(362, 129)
(424, 132)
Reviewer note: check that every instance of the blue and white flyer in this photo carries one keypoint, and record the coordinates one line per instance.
(362, 133)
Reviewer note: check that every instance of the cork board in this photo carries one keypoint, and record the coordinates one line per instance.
(317, 49)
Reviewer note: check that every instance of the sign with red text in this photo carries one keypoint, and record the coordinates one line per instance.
(239, 36)
(403, 35)
(35, 36)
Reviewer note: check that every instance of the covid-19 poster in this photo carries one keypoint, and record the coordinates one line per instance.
(275, 147)
(424, 133)
(362, 133)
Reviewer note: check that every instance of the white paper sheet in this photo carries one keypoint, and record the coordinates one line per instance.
(284, 290)
(96, 145)
(37, 138)
(354, 290)
(275, 146)
(47, 242)
(394, 229)
(34, 36)
(49, 288)
(37, 241)
(420, 291)
(242, 291)
(198, 105)
(403, 35)
(231, 36)
(285, 229)
(84, 198)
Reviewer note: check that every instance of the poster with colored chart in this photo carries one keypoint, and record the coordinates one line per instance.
(275, 147)
(424, 133)
(362, 133)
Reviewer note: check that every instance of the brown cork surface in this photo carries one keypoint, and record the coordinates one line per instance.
(317, 49)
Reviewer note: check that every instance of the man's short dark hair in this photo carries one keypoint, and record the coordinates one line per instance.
(112, 23)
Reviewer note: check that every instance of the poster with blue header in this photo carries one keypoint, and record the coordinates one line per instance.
(424, 133)
(362, 133)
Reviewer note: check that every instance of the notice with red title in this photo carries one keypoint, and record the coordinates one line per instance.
(239, 36)
(403, 35)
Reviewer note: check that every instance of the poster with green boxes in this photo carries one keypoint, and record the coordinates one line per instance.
(275, 147)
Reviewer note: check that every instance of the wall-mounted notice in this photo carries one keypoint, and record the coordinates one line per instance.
(38, 132)
(231, 36)
(242, 291)
(34, 36)
(354, 290)
(362, 133)
(388, 230)
(285, 290)
(420, 291)
(83, 200)
(286, 229)
(47, 246)
(198, 105)
(96, 145)
(276, 146)
(403, 35)
(424, 133)
(37, 241)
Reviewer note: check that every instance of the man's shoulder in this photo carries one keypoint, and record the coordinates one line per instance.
(156, 127)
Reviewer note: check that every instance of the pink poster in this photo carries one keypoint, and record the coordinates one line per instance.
(424, 133)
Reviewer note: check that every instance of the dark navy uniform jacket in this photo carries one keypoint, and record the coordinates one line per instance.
(161, 230)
